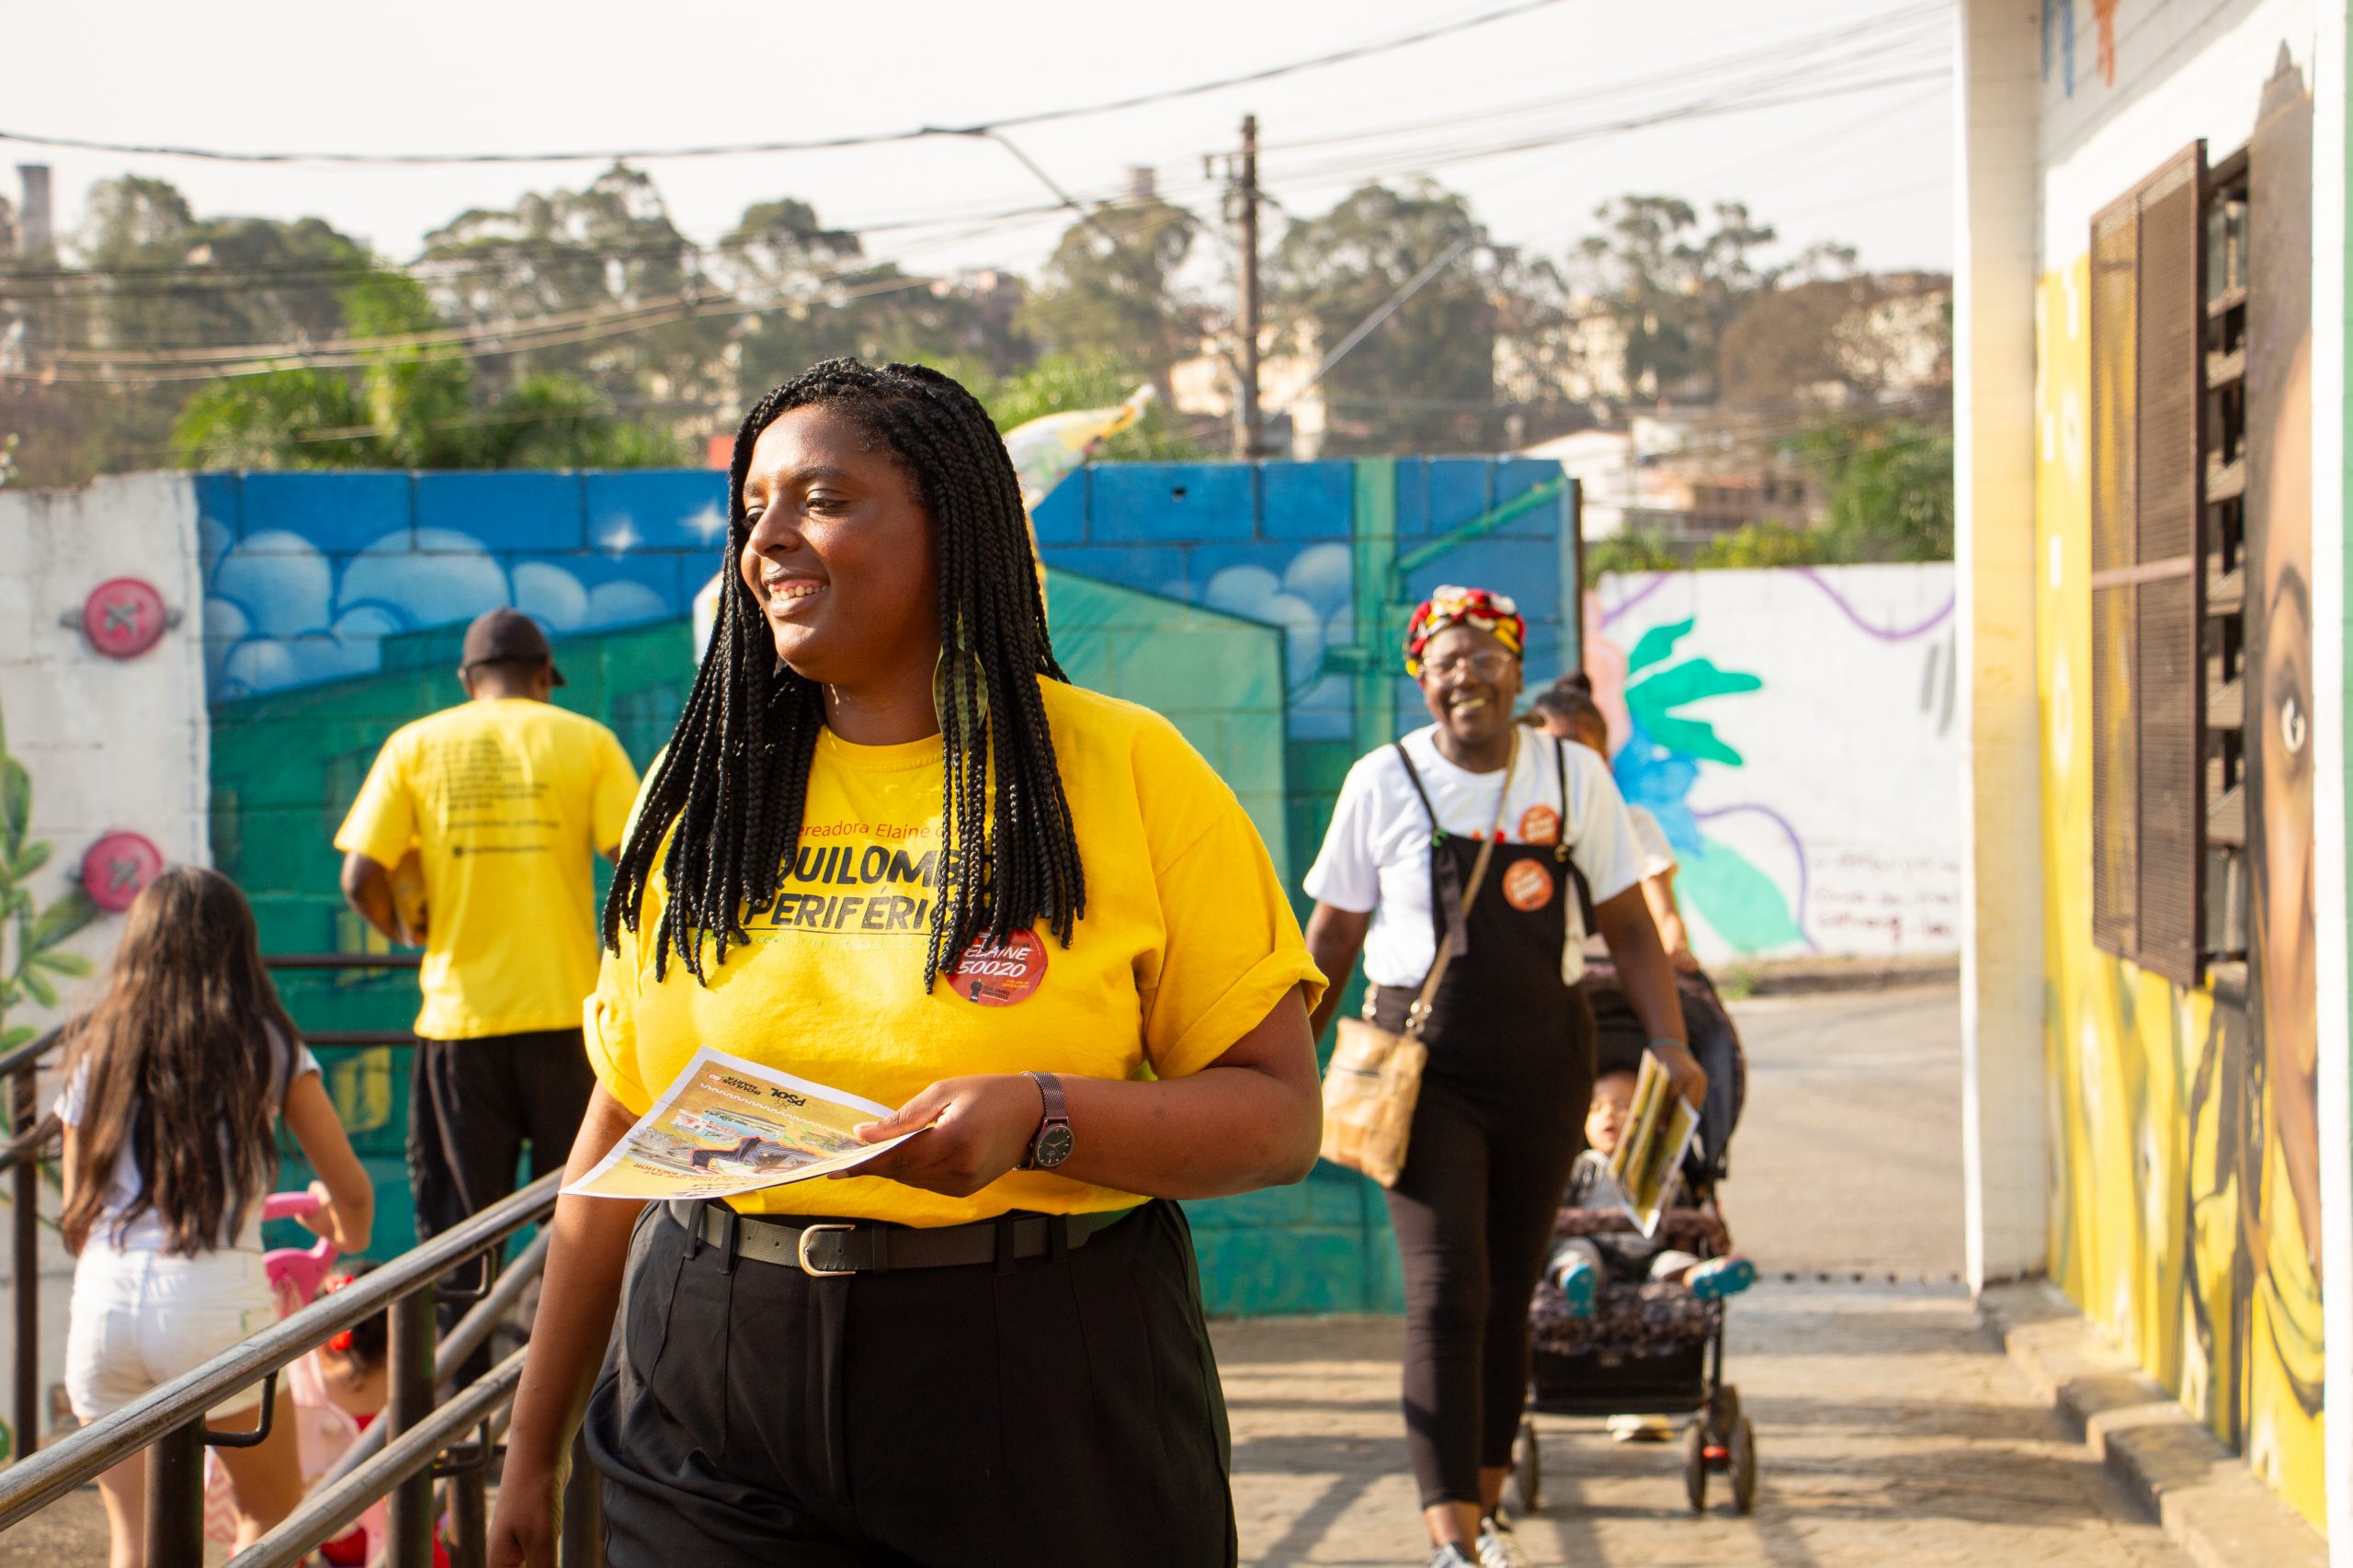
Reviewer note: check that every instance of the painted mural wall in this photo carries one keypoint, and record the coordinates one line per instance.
(99, 745)
(1255, 605)
(2185, 1194)
(1794, 733)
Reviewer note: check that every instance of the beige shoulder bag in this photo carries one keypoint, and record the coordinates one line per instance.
(1376, 1076)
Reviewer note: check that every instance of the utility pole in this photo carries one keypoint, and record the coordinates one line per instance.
(1245, 438)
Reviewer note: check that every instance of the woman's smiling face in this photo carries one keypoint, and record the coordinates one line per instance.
(1469, 682)
(840, 558)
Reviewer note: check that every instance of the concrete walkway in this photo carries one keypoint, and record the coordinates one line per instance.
(1890, 1430)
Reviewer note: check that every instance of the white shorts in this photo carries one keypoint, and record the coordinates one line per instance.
(141, 1319)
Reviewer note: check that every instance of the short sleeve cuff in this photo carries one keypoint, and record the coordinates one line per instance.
(1604, 891)
(1244, 1005)
(606, 1061)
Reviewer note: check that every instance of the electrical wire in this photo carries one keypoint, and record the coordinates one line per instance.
(721, 150)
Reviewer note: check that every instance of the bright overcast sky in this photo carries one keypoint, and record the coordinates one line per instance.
(1849, 138)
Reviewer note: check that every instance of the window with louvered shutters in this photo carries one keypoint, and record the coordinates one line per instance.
(2148, 337)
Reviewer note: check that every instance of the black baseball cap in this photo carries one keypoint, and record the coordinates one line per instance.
(505, 636)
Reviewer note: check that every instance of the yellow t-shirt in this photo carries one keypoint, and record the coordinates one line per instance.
(1187, 943)
(507, 803)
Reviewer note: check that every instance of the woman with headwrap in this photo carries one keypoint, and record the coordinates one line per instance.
(1502, 1108)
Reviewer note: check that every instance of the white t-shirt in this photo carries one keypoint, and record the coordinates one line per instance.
(146, 1233)
(1658, 854)
(1376, 855)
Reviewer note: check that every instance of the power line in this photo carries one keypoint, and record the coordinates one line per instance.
(722, 150)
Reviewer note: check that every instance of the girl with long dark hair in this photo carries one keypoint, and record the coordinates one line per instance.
(174, 1089)
(889, 848)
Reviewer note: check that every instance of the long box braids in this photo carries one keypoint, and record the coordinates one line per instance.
(734, 776)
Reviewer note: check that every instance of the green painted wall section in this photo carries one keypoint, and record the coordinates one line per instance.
(286, 765)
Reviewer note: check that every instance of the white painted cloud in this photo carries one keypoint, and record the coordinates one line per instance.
(447, 577)
(550, 595)
(279, 580)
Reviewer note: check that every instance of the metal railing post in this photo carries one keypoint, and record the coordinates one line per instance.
(410, 1515)
(470, 1507)
(580, 1543)
(25, 1193)
(176, 1497)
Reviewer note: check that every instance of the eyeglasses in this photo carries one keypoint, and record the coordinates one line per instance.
(1488, 664)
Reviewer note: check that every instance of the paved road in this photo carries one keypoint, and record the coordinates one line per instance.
(1848, 1156)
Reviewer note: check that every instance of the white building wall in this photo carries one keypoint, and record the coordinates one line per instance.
(110, 745)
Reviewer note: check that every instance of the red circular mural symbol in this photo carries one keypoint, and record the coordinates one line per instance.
(1000, 976)
(1527, 886)
(118, 868)
(1539, 824)
(123, 617)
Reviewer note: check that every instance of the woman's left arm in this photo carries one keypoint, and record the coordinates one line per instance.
(1251, 1118)
(1648, 980)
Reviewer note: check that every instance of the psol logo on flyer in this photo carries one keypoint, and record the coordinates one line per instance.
(1000, 976)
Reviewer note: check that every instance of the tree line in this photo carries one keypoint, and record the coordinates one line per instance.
(581, 327)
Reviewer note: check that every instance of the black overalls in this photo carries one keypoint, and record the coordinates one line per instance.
(1500, 1121)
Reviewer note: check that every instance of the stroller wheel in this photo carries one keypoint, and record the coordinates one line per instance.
(1724, 1413)
(1527, 1469)
(1743, 1459)
(1695, 1465)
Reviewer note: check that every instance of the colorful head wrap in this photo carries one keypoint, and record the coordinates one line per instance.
(1452, 605)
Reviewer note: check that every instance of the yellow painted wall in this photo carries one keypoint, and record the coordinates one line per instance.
(2172, 1224)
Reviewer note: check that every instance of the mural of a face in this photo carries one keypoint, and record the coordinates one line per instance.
(2284, 916)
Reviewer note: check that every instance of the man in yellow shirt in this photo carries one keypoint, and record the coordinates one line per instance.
(503, 801)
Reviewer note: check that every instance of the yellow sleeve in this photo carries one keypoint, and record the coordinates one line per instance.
(615, 794)
(1232, 946)
(608, 1022)
(383, 821)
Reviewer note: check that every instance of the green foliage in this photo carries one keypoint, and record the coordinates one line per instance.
(1106, 292)
(1768, 543)
(279, 419)
(37, 956)
(1890, 488)
(1636, 550)
(1424, 380)
(1060, 384)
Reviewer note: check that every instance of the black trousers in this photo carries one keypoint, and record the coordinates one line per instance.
(472, 1106)
(1473, 1210)
(1036, 1411)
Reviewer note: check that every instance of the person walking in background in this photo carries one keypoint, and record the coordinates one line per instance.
(163, 1203)
(891, 850)
(1510, 1069)
(504, 801)
(1566, 710)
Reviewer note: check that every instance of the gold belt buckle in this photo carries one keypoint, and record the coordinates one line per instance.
(811, 1269)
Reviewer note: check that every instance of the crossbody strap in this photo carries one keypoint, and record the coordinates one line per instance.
(1419, 1012)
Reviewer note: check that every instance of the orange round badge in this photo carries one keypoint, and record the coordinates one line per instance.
(1539, 824)
(1527, 886)
(1000, 976)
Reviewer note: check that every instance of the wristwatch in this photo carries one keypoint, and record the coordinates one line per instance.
(1052, 1146)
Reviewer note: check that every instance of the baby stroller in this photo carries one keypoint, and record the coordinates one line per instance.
(1652, 1348)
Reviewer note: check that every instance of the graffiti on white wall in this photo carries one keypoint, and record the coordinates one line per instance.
(1794, 731)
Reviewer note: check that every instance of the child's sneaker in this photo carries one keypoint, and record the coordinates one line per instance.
(1721, 1276)
(1578, 1280)
(1449, 1556)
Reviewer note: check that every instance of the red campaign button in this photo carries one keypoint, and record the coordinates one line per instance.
(123, 617)
(118, 867)
(1000, 976)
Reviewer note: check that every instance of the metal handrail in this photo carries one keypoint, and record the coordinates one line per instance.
(33, 1483)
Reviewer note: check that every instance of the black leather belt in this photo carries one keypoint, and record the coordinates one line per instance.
(830, 1249)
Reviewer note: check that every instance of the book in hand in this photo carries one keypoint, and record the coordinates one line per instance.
(1659, 1129)
(727, 1126)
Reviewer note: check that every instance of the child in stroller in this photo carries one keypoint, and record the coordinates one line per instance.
(1647, 1342)
(1579, 1263)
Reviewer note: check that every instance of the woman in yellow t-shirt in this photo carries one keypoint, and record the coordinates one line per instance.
(891, 850)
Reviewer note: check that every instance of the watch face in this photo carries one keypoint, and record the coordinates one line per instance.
(1053, 1146)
